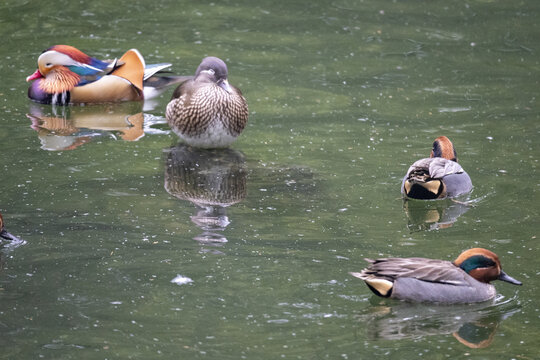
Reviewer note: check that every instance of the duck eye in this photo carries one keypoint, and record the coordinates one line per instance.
(48, 64)
(210, 72)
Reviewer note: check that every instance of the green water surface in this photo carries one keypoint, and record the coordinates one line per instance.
(344, 95)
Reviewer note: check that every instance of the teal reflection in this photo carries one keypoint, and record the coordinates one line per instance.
(212, 180)
(473, 325)
(425, 215)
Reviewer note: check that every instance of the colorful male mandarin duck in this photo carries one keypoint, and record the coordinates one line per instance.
(206, 111)
(67, 75)
(466, 280)
(3, 232)
(437, 177)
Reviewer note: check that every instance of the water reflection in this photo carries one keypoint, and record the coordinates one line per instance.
(67, 128)
(433, 215)
(473, 325)
(212, 180)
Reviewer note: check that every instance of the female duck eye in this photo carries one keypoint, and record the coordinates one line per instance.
(210, 72)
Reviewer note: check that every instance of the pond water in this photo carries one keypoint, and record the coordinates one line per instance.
(124, 258)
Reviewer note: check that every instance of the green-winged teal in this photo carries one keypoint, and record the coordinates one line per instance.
(437, 177)
(206, 111)
(466, 280)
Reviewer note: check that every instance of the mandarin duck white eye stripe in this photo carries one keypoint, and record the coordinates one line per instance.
(209, 71)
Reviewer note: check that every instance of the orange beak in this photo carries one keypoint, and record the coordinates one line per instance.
(34, 76)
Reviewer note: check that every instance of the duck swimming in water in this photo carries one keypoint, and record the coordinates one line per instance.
(437, 177)
(465, 280)
(207, 111)
(66, 75)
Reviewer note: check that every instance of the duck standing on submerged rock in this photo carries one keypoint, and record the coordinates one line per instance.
(207, 111)
(466, 280)
(437, 177)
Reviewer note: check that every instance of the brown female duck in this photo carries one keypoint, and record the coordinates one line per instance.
(207, 111)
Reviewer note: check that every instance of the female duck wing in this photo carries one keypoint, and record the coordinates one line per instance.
(156, 85)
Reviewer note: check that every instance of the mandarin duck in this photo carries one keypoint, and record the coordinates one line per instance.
(436, 177)
(67, 75)
(207, 111)
(465, 280)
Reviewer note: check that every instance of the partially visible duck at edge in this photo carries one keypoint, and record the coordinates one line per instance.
(437, 177)
(465, 280)
(66, 75)
(4, 234)
(207, 111)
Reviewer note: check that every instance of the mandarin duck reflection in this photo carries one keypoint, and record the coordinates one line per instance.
(207, 111)
(76, 126)
(465, 280)
(67, 75)
(437, 177)
(473, 325)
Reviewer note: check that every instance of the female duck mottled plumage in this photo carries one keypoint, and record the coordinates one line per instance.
(466, 280)
(437, 177)
(67, 75)
(206, 111)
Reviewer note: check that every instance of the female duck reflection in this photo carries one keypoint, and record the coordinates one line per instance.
(212, 180)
